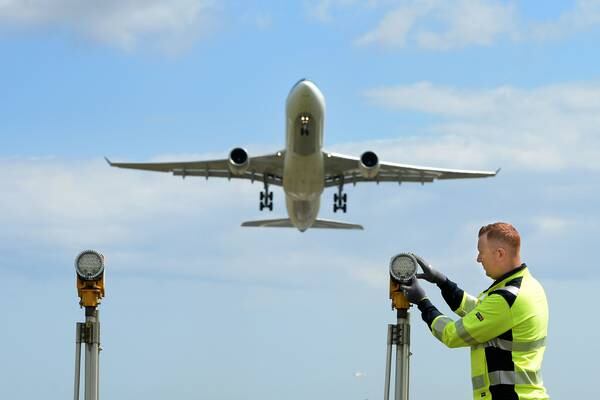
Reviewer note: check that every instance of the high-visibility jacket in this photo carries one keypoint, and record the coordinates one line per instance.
(505, 326)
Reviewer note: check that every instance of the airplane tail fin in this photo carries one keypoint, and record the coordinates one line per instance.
(287, 223)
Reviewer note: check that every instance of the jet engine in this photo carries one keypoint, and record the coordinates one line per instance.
(238, 161)
(369, 164)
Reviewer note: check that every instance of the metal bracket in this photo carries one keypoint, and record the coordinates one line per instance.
(89, 332)
(400, 334)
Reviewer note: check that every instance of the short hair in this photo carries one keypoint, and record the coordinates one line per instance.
(503, 232)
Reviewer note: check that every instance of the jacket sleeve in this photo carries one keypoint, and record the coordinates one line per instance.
(488, 320)
(457, 299)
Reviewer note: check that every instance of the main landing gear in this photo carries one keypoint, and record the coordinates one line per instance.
(266, 198)
(340, 199)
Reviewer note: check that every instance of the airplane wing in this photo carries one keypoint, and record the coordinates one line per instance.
(267, 168)
(344, 169)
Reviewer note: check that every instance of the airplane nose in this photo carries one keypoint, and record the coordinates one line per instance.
(303, 88)
(305, 92)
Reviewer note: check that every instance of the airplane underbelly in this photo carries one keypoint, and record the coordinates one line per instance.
(302, 213)
(303, 177)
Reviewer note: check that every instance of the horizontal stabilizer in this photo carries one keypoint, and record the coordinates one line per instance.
(270, 223)
(287, 223)
(329, 224)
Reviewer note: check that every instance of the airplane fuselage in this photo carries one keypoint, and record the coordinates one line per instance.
(303, 177)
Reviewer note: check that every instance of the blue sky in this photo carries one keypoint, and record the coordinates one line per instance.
(198, 307)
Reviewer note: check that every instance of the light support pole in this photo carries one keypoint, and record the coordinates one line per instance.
(398, 335)
(402, 268)
(90, 285)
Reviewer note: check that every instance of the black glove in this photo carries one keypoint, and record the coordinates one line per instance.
(413, 291)
(430, 274)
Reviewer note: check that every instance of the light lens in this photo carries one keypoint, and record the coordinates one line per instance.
(89, 265)
(403, 267)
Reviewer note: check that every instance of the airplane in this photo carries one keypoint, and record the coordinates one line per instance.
(303, 168)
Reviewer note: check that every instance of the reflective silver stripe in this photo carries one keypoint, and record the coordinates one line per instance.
(515, 346)
(511, 289)
(508, 378)
(528, 377)
(502, 378)
(439, 325)
(529, 346)
(469, 303)
(464, 335)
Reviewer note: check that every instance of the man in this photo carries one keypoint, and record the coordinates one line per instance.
(505, 326)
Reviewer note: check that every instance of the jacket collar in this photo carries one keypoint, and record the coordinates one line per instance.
(508, 275)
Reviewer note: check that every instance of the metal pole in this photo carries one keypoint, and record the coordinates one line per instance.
(96, 353)
(388, 363)
(91, 353)
(402, 354)
(406, 358)
(77, 360)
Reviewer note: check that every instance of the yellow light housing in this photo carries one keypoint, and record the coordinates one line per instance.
(89, 266)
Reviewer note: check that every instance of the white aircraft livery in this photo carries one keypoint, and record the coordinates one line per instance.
(303, 168)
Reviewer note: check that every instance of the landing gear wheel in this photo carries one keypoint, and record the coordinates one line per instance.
(339, 199)
(266, 198)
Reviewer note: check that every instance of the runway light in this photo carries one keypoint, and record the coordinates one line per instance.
(89, 266)
(402, 269)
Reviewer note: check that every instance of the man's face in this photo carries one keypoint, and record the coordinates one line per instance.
(489, 256)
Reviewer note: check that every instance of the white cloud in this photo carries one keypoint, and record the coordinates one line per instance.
(68, 204)
(584, 15)
(553, 225)
(394, 28)
(441, 25)
(126, 24)
(322, 10)
(371, 275)
(546, 128)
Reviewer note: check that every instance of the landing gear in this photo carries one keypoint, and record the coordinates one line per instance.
(340, 199)
(266, 198)
(304, 121)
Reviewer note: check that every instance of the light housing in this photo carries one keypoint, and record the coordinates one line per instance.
(89, 265)
(403, 267)
(89, 268)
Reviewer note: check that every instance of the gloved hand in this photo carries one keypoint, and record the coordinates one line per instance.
(413, 291)
(430, 274)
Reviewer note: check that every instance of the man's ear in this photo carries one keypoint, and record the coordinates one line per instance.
(501, 252)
